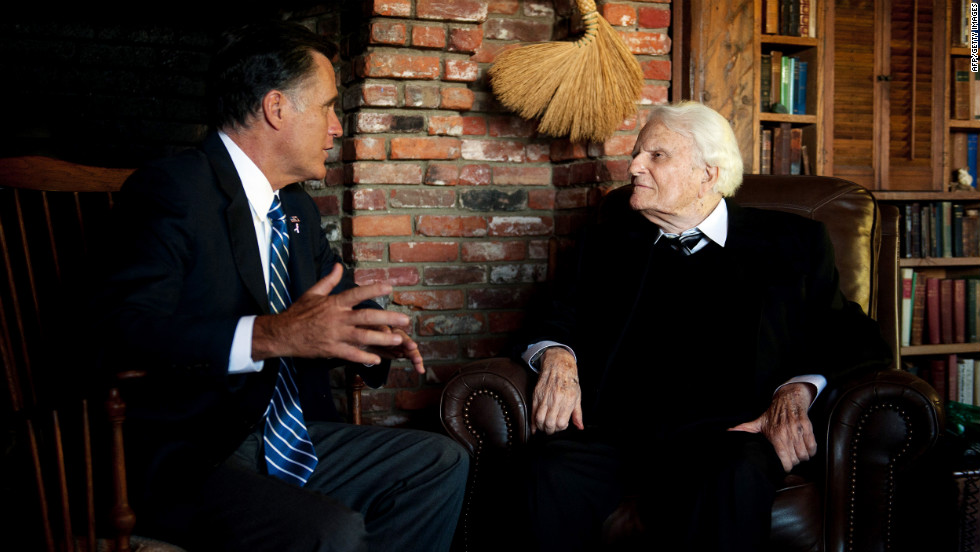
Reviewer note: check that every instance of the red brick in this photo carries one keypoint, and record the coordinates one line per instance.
(465, 39)
(539, 8)
(521, 175)
(422, 95)
(461, 70)
(403, 378)
(474, 126)
(484, 347)
(646, 42)
(451, 225)
(657, 69)
(419, 399)
(537, 153)
(488, 51)
(614, 170)
(451, 324)
(541, 199)
(398, 66)
(428, 36)
(629, 123)
(498, 297)
(538, 249)
(439, 349)
(362, 148)
(505, 7)
(413, 198)
(392, 8)
(474, 175)
(388, 32)
(328, 205)
(417, 252)
(493, 150)
(425, 148)
(385, 173)
(572, 198)
(452, 10)
(517, 29)
(456, 98)
(395, 276)
(366, 199)
(653, 94)
(372, 95)
(564, 150)
(619, 15)
(583, 173)
(449, 299)
(454, 275)
(519, 226)
(442, 175)
(371, 122)
(365, 251)
(505, 322)
(511, 127)
(654, 17)
(381, 225)
(619, 144)
(446, 125)
(481, 252)
(517, 273)
(335, 176)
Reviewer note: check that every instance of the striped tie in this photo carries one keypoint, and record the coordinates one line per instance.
(682, 244)
(289, 453)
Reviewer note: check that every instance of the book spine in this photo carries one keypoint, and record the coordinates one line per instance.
(799, 98)
(947, 210)
(765, 158)
(765, 83)
(907, 276)
(971, 156)
(961, 88)
(932, 311)
(916, 230)
(776, 77)
(918, 308)
(795, 150)
(946, 310)
(959, 310)
(772, 16)
(805, 18)
(957, 230)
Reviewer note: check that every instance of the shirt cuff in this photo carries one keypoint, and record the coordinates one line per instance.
(816, 380)
(240, 358)
(532, 355)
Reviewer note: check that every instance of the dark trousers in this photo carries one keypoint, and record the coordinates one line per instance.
(708, 490)
(374, 488)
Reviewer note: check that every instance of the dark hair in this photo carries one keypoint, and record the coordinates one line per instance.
(258, 58)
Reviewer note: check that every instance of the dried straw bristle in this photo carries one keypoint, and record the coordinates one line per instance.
(583, 89)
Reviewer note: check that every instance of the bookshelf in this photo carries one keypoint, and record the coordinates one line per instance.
(790, 134)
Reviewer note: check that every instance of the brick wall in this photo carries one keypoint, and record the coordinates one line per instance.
(434, 188)
(451, 198)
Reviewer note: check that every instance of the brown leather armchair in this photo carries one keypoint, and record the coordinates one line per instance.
(874, 433)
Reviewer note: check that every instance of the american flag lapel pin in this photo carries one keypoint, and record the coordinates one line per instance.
(294, 220)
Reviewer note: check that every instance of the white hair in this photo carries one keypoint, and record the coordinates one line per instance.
(714, 141)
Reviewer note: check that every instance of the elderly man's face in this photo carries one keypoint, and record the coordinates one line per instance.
(666, 180)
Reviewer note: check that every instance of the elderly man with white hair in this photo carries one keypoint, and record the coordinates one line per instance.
(683, 348)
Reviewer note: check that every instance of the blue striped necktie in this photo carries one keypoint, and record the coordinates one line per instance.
(682, 244)
(289, 453)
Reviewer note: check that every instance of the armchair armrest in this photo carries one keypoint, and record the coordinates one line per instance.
(880, 427)
(485, 406)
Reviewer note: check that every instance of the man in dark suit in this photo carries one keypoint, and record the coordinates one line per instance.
(224, 288)
(685, 345)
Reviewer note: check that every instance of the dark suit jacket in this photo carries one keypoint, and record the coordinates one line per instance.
(186, 268)
(783, 263)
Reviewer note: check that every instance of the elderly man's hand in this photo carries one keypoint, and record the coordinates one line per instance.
(787, 425)
(557, 396)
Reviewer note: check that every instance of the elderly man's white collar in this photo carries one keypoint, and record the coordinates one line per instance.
(714, 227)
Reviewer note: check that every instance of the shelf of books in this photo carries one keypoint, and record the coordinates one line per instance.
(789, 53)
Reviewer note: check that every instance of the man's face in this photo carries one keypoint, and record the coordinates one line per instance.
(666, 179)
(313, 123)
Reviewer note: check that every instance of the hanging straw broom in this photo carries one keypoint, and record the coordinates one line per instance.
(582, 89)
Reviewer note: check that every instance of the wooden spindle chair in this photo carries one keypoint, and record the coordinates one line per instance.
(62, 418)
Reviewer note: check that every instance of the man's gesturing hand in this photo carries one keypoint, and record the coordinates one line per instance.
(787, 425)
(320, 325)
(557, 395)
